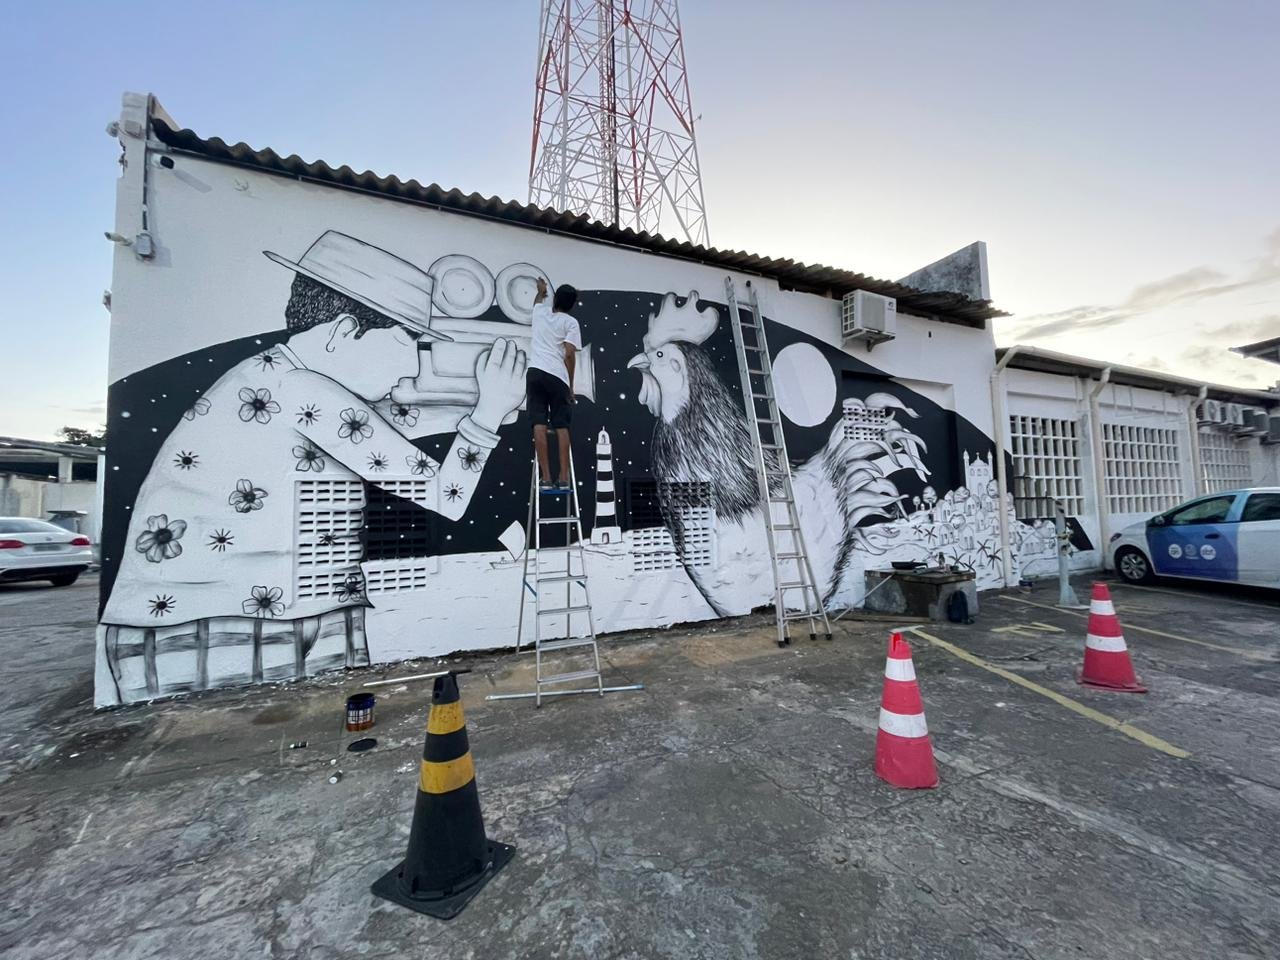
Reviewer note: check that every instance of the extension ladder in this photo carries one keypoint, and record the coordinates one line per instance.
(787, 553)
(553, 568)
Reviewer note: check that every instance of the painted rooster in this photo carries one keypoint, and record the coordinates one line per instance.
(702, 438)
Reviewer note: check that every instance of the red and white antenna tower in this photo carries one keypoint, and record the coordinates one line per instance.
(613, 133)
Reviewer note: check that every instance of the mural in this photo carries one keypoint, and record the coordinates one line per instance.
(350, 486)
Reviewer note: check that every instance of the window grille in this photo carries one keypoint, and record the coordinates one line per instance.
(1143, 471)
(328, 515)
(653, 547)
(1046, 466)
(394, 525)
(861, 422)
(1224, 461)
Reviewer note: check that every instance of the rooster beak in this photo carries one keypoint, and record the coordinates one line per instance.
(638, 362)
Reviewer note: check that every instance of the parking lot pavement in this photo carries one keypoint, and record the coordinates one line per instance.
(727, 810)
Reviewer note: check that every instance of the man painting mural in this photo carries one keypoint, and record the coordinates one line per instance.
(553, 348)
(252, 510)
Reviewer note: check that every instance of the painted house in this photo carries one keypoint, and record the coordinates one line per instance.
(319, 458)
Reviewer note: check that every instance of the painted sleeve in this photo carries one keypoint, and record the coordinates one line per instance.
(351, 432)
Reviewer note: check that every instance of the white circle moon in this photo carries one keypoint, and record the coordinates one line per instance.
(804, 383)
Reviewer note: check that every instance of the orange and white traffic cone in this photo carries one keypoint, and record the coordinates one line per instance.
(1106, 658)
(904, 755)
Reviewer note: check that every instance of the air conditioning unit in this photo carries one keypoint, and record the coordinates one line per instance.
(1210, 413)
(868, 316)
(1234, 415)
(1255, 422)
(1273, 429)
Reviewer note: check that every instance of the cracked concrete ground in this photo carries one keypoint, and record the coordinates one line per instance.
(727, 811)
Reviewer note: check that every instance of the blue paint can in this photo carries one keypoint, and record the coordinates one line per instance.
(359, 711)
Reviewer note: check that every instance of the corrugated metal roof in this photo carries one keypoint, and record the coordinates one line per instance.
(1047, 361)
(810, 278)
(1262, 350)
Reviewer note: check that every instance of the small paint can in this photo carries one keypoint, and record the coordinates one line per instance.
(359, 712)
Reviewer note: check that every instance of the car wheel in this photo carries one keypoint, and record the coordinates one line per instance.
(1133, 565)
(64, 579)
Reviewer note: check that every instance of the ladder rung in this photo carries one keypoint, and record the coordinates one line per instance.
(795, 585)
(565, 644)
(560, 578)
(790, 556)
(566, 677)
(802, 616)
(575, 609)
(771, 446)
(762, 396)
(758, 373)
(779, 499)
(557, 519)
(785, 526)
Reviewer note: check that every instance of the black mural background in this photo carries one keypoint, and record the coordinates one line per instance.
(614, 323)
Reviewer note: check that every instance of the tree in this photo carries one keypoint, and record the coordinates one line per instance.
(84, 438)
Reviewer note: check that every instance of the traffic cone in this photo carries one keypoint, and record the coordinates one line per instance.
(1106, 658)
(449, 857)
(904, 755)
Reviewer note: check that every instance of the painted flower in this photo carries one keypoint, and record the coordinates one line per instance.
(352, 588)
(377, 462)
(185, 460)
(246, 497)
(160, 540)
(453, 492)
(308, 458)
(221, 539)
(197, 409)
(404, 414)
(472, 459)
(257, 405)
(308, 415)
(161, 604)
(421, 466)
(355, 425)
(263, 602)
(267, 360)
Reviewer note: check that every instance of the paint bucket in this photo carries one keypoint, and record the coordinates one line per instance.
(359, 712)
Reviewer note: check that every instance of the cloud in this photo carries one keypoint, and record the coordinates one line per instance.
(1240, 332)
(1197, 283)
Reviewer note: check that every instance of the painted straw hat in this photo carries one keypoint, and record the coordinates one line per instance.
(369, 275)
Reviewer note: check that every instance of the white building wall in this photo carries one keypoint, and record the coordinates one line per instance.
(1129, 416)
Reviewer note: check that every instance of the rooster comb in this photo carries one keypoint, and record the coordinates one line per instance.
(686, 322)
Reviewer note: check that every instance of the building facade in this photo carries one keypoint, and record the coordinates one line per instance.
(318, 453)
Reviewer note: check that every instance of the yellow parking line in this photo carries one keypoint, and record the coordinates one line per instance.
(1075, 706)
(1248, 654)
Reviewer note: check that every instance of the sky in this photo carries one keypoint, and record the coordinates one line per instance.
(1120, 159)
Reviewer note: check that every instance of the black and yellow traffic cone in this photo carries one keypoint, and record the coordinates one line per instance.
(449, 857)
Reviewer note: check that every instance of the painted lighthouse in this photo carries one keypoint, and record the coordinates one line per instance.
(605, 529)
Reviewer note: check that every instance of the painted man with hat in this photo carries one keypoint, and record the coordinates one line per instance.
(252, 510)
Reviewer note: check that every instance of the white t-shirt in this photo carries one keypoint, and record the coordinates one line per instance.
(551, 331)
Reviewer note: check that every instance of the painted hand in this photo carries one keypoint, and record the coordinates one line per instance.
(500, 374)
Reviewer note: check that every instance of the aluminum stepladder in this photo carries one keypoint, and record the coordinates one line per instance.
(773, 472)
(553, 567)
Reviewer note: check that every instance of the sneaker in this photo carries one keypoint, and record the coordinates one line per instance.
(547, 486)
(562, 486)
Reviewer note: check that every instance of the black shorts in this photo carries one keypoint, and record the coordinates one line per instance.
(547, 399)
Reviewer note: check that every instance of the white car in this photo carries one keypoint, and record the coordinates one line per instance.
(36, 550)
(1233, 537)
